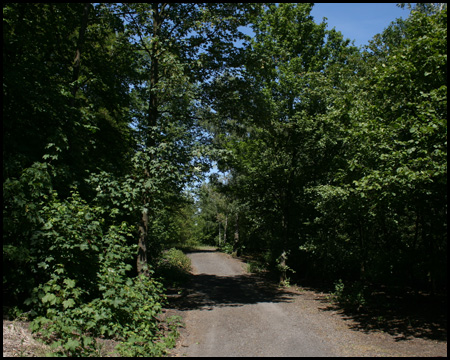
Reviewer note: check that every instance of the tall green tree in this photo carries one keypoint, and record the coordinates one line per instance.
(179, 45)
(286, 143)
(65, 99)
(405, 139)
(55, 93)
(382, 215)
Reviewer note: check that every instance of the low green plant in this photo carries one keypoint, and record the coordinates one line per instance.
(89, 292)
(353, 296)
(254, 266)
(173, 267)
(285, 283)
(227, 248)
(283, 268)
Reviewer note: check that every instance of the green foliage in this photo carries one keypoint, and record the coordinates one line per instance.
(107, 136)
(227, 248)
(283, 268)
(23, 201)
(126, 312)
(287, 141)
(98, 298)
(339, 155)
(68, 115)
(173, 267)
(254, 266)
(333, 155)
(354, 296)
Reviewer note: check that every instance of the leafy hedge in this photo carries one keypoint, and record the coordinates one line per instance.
(81, 272)
(173, 267)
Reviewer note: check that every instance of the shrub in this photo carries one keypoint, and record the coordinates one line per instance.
(88, 292)
(352, 296)
(174, 267)
(256, 267)
(227, 248)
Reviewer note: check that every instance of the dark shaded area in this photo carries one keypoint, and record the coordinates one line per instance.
(401, 311)
(402, 314)
(200, 251)
(206, 291)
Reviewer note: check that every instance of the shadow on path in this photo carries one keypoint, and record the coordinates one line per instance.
(206, 291)
(195, 251)
(404, 316)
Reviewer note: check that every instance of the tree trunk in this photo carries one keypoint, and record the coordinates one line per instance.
(142, 261)
(285, 233)
(362, 253)
(154, 77)
(80, 43)
(283, 274)
(152, 119)
(236, 236)
(225, 230)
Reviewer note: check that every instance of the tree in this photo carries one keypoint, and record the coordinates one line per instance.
(59, 116)
(66, 101)
(285, 143)
(393, 163)
(406, 137)
(167, 37)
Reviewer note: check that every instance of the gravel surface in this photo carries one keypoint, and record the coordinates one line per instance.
(19, 342)
(228, 312)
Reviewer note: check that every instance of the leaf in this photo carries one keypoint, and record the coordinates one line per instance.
(71, 344)
(70, 283)
(47, 226)
(50, 298)
(68, 303)
(117, 302)
(87, 341)
(43, 265)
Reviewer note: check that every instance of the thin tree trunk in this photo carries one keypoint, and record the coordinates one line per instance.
(154, 77)
(80, 43)
(362, 253)
(142, 261)
(283, 273)
(152, 119)
(225, 230)
(236, 236)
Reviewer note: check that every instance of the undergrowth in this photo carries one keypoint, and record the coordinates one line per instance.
(173, 267)
(87, 292)
(353, 295)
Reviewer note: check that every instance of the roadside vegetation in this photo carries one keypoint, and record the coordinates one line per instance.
(173, 268)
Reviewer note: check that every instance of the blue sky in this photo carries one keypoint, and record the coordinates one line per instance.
(358, 21)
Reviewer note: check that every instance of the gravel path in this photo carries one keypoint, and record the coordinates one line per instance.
(229, 312)
(237, 316)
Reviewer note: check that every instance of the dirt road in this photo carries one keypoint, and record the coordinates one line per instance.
(229, 312)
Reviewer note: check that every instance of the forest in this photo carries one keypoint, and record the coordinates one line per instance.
(331, 159)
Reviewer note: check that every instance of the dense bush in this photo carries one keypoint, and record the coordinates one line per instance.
(353, 296)
(80, 271)
(89, 292)
(173, 267)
